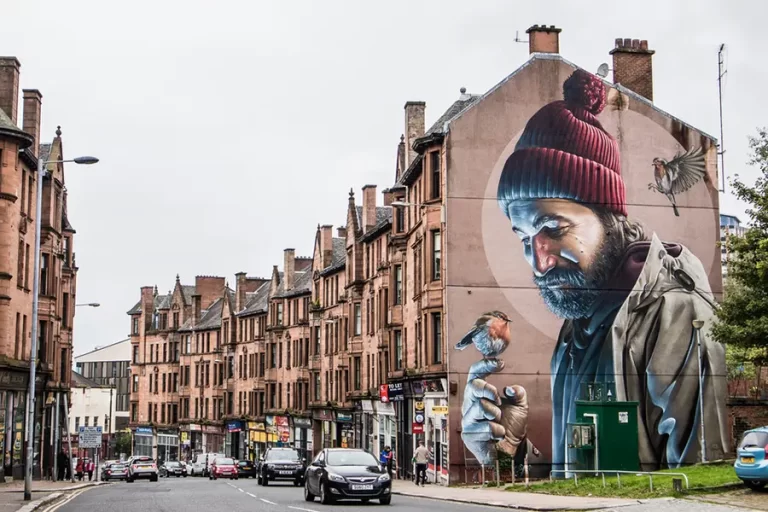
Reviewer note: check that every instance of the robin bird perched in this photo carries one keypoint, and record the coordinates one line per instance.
(678, 175)
(490, 334)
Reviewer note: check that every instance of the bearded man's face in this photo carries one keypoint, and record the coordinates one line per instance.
(570, 250)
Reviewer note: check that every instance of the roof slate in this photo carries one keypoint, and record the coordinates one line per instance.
(164, 301)
(302, 284)
(256, 302)
(339, 259)
(79, 381)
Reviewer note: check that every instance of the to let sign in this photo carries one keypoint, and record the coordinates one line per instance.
(89, 437)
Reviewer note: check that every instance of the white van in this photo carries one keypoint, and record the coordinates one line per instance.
(202, 462)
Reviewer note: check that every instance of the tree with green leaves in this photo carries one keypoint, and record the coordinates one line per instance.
(742, 319)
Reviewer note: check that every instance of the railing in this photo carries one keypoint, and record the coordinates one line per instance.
(618, 474)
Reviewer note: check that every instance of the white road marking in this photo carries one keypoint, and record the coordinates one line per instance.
(240, 490)
(267, 501)
(251, 495)
(302, 509)
(63, 502)
(232, 485)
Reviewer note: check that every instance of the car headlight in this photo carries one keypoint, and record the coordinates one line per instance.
(384, 478)
(333, 477)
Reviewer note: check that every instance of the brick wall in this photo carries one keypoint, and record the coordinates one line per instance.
(745, 414)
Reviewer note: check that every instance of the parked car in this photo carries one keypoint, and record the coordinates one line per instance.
(142, 467)
(752, 458)
(281, 464)
(114, 471)
(347, 474)
(202, 462)
(246, 469)
(223, 467)
(173, 468)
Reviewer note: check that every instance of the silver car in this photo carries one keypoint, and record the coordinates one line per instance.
(142, 467)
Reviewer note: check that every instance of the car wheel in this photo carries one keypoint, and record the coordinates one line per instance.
(297, 483)
(386, 500)
(265, 480)
(755, 485)
(258, 479)
(366, 500)
(325, 495)
(308, 496)
(153, 478)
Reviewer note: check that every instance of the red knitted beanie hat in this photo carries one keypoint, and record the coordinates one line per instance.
(565, 153)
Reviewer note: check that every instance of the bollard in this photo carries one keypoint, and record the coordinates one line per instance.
(677, 485)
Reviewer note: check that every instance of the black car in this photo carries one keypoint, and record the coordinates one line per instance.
(246, 469)
(281, 464)
(347, 474)
(173, 468)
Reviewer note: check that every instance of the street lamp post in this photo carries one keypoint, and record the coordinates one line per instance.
(29, 438)
(697, 325)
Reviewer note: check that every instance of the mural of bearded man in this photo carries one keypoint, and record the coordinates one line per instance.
(627, 299)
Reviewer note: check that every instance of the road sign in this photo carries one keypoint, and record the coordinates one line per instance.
(89, 437)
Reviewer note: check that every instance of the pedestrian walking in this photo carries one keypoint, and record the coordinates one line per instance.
(61, 465)
(421, 458)
(386, 459)
(90, 468)
(79, 470)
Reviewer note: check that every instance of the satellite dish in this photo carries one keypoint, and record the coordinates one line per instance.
(602, 70)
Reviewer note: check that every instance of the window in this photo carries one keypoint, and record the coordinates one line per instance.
(398, 350)
(26, 266)
(77, 422)
(436, 250)
(42, 347)
(280, 313)
(400, 217)
(437, 338)
(17, 347)
(358, 320)
(65, 310)
(95, 421)
(135, 388)
(135, 326)
(434, 171)
(317, 341)
(398, 284)
(357, 374)
(44, 273)
(317, 386)
(86, 421)
(175, 319)
(20, 268)
(134, 413)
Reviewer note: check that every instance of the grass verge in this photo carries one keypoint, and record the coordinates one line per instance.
(705, 478)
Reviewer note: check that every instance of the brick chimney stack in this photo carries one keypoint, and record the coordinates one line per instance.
(33, 101)
(209, 288)
(289, 268)
(369, 207)
(543, 39)
(326, 245)
(389, 197)
(414, 128)
(240, 290)
(147, 304)
(9, 87)
(196, 308)
(341, 232)
(633, 66)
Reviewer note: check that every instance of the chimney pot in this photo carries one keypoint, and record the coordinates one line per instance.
(31, 117)
(633, 66)
(341, 232)
(543, 39)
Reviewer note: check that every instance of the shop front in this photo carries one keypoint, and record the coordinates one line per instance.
(323, 430)
(234, 439)
(143, 438)
(345, 433)
(185, 443)
(384, 423)
(167, 446)
(430, 402)
(302, 436)
(213, 439)
(195, 440)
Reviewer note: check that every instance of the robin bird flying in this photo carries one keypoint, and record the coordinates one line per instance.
(678, 175)
(490, 334)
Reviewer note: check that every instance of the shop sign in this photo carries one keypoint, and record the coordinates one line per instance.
(13, 380)
(211, 429)
(395, 392)
(384, 393)
(343, 417)
(322, 415)
(251, 425)
(143, 431)
(259, 426)
(193, 427)
(234, 426)
(302, 423)
(184, 437)
(418, 417)
(418, 428)
(440, 409)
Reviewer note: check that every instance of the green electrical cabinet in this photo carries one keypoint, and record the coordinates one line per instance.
(614, 445)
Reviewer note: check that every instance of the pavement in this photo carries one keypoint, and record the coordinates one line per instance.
(182, 494)
(43, 494)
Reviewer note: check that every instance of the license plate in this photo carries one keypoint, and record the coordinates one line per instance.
(145, 467)
(748, 460)
(362, 487)
(286, 472)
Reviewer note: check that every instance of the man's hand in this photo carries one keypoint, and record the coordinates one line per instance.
(480, 412)
(514, 418)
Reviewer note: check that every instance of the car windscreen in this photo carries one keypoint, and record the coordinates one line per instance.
(141, 460)
(351, 458)
(244, 463)
(225, 462)
(283, 455)
(172, 464)
(754, 440)
(117, 467)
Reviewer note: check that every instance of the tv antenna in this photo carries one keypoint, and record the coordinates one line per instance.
(602, 70)
(517, 37)
(721, 71)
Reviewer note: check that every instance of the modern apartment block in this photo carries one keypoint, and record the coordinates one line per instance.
(20, 151)
(110, 366)
(730, 225)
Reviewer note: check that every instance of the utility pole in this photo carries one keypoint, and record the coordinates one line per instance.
(721, 71)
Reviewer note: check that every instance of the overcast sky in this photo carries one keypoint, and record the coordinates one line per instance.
(228, 130)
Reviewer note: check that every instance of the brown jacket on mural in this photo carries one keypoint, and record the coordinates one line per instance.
(654, 368)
